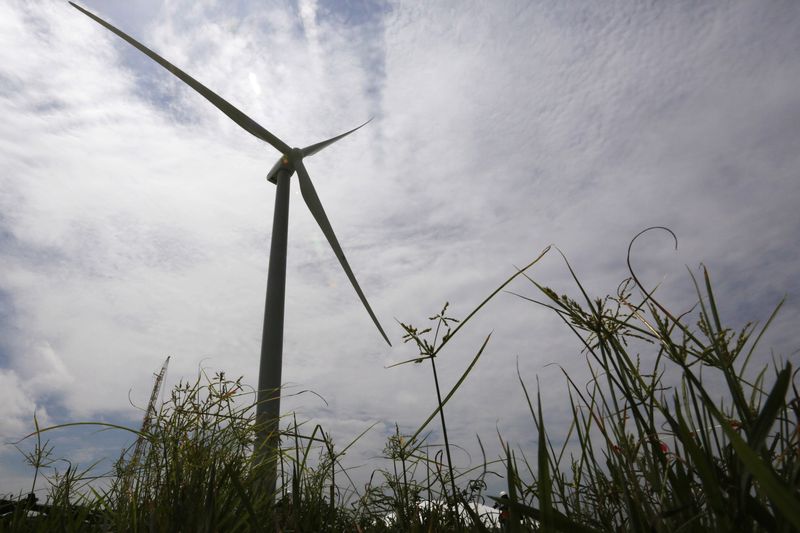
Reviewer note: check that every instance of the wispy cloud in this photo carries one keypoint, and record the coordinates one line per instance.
(136, 219)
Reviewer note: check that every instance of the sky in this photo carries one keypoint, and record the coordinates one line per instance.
(135, 218)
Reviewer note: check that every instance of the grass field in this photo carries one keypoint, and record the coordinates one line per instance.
(650, 446)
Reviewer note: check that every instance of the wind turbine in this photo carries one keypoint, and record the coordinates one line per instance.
(291, 161)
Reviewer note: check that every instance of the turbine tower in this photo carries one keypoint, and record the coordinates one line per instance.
(290, 161)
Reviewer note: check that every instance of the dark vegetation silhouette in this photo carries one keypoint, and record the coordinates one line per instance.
(650, 445)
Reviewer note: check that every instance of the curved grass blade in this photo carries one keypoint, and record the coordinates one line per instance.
(102, 424)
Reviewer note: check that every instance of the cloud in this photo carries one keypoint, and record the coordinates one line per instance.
(136, 219)
(19, 407)
(42, 369)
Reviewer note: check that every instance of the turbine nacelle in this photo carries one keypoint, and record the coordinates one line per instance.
(283, 164)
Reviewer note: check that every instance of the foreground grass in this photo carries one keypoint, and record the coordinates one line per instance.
(650, 448)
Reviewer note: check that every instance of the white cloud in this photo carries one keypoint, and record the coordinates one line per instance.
(135, 217)
(18, 410)
(42, 369)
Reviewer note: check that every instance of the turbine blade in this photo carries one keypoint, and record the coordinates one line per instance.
(314, 148)
(315, 206)
(248, 124)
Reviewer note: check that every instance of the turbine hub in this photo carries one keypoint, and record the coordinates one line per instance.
(296, 154)
(283, 164)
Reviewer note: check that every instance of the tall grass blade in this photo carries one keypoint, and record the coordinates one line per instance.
(765, 420)
(492, 295)
(452, 391)
(784, 497)
(543, 482)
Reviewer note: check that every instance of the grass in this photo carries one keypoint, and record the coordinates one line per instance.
(650, 446)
